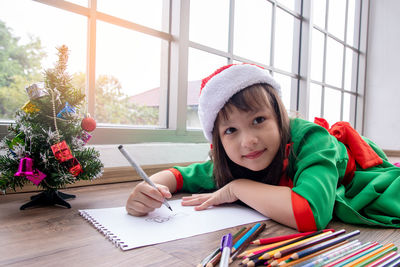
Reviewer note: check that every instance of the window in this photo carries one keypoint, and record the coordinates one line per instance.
(141, 62)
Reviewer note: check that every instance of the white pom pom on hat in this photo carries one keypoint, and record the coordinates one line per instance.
(220, 86)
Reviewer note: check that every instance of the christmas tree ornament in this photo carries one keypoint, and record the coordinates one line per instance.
(67, 110)
(25, 167)
(74, 167)
(36, 90)
(88, 124)
(29, 107)
(85, 137)
(61, 151)
(18, 139)
(37, 177)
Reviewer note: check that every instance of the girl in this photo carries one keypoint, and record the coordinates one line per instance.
(293, 171)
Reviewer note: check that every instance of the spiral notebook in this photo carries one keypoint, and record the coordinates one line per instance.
(162, 225)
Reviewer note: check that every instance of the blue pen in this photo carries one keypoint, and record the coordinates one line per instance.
(241, 240)
(226, 247)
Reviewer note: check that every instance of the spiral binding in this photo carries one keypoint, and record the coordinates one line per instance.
(103, 230)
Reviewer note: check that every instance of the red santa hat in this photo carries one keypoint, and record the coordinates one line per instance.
(220, 86)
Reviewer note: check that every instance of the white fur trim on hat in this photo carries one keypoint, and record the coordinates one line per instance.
(218, 88)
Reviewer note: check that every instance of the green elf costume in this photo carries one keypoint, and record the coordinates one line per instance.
(331, 170)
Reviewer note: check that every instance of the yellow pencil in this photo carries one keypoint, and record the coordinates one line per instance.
(369, 255)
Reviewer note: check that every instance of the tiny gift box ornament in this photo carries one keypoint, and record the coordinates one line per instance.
(74, 167)
(37, 177)
(36, 90)
(67, 110)
(61, 151)
(29, 107)
(85, 137)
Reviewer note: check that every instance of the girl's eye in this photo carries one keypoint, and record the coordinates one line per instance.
(230, 130)
(258, 120)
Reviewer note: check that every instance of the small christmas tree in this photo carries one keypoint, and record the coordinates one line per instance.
(46, 145)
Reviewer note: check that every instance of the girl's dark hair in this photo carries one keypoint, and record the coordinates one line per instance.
(250, 99)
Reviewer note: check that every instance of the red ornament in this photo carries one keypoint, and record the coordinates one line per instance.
(74, 167)
(88, 124)
(61, 151)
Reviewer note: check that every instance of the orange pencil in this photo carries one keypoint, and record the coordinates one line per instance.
(251, 252)
(369, 255)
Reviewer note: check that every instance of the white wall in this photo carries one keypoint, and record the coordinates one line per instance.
(382, 106)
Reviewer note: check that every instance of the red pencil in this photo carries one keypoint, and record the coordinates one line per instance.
(270, 240)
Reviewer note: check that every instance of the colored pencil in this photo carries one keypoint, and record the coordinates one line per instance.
(332, 254)
(215, 252)
(323, 245)
(356, 250)
(382, 259)
(263, 248)
(375, 257)
(245, 237)
(245, 244)
(394, 262)
(358, 255)
(299, 262)
(309, 243)
(275, 239)
(390, 261)
(369, 255)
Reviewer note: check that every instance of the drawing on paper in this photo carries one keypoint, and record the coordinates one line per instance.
(162, 219)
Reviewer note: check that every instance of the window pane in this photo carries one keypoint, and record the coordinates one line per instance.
(352, 20)
(291, 4)
(79, 2)
(336, 18)
(201, 65)
(349, 102)
(209, 23)
(286, 86)
(28, 18)
(317, 55)
(285, 45)
(252, 34)
(314, 107)
(332, 105)
(319, 11)
(350, 72)
(334, 63)
(128, 67)
(147, 13)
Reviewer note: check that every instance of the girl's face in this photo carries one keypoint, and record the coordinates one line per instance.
(250, 139)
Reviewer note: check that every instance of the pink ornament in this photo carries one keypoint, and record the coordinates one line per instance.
(85, 137)
(37, 177)
(397, 164)
(25, 167)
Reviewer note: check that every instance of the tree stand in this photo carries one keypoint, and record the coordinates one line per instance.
(48, 198)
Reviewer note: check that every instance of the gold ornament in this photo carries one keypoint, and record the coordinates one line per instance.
(29, 107)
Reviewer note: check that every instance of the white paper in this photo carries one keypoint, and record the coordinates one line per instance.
(163, 225)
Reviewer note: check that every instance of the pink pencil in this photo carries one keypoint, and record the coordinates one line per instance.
(382, 259)
(351, 254)
(270, 240)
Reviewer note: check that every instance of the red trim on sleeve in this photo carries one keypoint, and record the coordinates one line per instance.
(303, 214)
(178, 177)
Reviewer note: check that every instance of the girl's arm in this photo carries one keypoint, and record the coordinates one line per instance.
(144, 198)
(272, 201)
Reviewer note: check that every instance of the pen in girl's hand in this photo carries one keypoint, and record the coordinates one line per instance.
(140, 172)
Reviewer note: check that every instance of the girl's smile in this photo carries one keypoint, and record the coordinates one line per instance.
(251, 139)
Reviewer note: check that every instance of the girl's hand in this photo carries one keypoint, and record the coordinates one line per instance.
(203, 201)
(145, 198)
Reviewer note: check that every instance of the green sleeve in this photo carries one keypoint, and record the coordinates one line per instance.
(197, 177)
(317, 162)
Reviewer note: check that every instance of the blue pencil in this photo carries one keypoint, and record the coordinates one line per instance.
(241, 240)
(391, 262)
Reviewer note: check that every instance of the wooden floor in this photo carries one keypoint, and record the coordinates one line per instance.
(56, 236)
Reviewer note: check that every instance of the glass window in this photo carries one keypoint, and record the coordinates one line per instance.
(291, 4)
(201, 65)
(334, 63)
(285, 45)
(37, 30)
(332, 105)
(147, 13)
(286, 88)
(337, 17)
(209, 23)
(350, 70)
(314, 106)
(349, 103)
(79, 2)
(317, 55)
(128, 67)
(352, 37)
(319, 11)
(252, 30)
